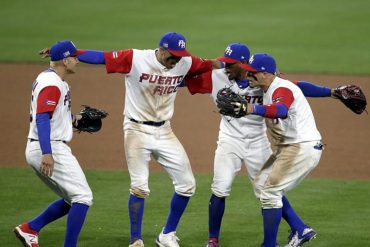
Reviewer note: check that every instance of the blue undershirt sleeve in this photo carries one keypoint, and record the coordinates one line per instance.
(92, 57)
(43, 129)
(259, 110)
(280, 111)
(312, 90)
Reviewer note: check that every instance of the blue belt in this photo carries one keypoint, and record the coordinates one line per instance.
(151, 123)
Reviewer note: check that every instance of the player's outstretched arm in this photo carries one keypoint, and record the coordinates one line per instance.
(85, 56)
(91, 56)
(310, 89)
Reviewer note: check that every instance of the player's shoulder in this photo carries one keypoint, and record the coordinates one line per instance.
(48, 78)
(143, 52)
(280, 82)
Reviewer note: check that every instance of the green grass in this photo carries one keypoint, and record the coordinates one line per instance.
(305, 36)
(337, 209)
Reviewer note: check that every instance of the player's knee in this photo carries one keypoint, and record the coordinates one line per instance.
(139, 192)
(270, 200)
(220, 191)
(186, 188)
(83, 198)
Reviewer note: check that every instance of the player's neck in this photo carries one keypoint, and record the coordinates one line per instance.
(267, 83)
(59, 70)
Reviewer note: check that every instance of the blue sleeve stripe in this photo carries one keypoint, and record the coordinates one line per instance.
(43, 129)
(92, 57)
(312, 90)
(259, 110)
(281, 110)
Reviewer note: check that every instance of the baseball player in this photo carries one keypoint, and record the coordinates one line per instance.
(292, 127)
(152, 78)
(47, 151)
(241, 140)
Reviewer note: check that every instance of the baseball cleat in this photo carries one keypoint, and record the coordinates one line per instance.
(297, 239)
(167, 240)
(27, 236)
(137, 243)
(212, 243)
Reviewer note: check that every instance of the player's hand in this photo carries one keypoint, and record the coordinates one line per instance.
(47, 165)
(240, 108)
(333, 95)
(75, 119)
(45, 52)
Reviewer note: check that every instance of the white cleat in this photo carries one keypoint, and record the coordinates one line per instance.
(29, 239)
(137, 243)
(297, 239)
(167, 240)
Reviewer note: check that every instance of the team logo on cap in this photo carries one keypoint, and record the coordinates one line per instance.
(182, 43)
(251, 59)
(66, 54)
(228, 51)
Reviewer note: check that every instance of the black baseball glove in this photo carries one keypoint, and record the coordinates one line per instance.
(231, 104)
(90, 120)
(352, 96)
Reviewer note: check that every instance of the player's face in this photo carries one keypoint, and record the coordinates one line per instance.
(233, 71)
(255, 78)
(167, 59)
(70, 64)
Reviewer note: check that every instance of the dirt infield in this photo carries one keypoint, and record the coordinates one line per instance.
(347, 153)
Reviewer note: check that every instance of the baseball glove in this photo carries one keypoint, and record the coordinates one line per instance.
(351, 96)
(231, 104)
(90, 120)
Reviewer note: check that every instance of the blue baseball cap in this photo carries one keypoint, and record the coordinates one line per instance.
(175, 43)
(260, 62)
(235, 52)
(63, 49)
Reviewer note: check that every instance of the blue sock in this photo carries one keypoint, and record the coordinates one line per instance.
(271, 221)
(178, 205)
(54, 211)
(291, 217)
(216, 209)
(135, 211)
(75, 221)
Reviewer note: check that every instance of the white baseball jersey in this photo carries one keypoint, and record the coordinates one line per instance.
(61, 121)
(299, 126)
(246, 127)
(151, 88)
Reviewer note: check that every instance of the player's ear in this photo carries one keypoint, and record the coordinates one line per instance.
(65, 61)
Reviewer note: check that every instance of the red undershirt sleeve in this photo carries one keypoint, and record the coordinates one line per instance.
(200, 84)
(118, 61)
(281, 96)
(48, 99)
(199, 66)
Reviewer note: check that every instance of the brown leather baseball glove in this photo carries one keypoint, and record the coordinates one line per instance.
(351, 96)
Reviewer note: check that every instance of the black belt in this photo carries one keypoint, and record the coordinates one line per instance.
(151, 123)
(34, 140)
